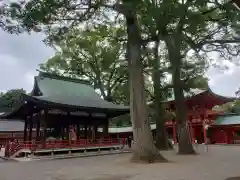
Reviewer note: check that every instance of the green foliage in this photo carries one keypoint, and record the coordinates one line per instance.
(230, 107)
(96, 56)
(236, 107)
(121, 121)
(11, 99)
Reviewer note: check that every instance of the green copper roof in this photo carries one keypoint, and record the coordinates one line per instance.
(228, 120)
(67, 91)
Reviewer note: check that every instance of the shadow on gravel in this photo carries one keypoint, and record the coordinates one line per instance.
(111, 177)
(101, 177)
(233, 178)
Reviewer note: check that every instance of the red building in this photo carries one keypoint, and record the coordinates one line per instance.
(226, 129)
(201, 119)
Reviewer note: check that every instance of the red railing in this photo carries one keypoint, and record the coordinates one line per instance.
(58, 144)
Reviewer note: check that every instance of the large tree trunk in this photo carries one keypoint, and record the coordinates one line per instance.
(162, 142)
(143, 147)
(174, 52)
(161, 133)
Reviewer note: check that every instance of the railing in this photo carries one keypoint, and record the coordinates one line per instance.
(61, 144)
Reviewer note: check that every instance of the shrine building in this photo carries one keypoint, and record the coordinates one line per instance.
(66, 108)
(204, 123)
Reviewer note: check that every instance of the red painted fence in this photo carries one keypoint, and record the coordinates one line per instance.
(12, 147)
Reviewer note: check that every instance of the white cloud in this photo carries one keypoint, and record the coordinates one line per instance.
(28, 80)
(8, 60)
(225, 82)
(19, 59)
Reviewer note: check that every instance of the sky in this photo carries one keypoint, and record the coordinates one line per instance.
(20, 56)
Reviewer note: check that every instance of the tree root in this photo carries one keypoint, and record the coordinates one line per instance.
(187, 151)
(147, 158)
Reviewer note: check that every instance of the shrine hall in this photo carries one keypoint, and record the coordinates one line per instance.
(67, 109)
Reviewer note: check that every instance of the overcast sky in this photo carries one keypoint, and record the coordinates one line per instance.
(20, 56)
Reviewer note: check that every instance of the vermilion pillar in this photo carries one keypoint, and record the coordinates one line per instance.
(192, 134)
(204, 127)
(174, 133)
(205, 132)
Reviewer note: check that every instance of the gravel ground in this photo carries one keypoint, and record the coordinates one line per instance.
(219, 163)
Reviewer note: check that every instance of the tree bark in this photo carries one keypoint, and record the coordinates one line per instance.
(174, 53)
(143, 149)
(161, 134)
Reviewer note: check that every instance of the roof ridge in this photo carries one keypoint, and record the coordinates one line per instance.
(221, 96)
(62, 78)
(230, 114)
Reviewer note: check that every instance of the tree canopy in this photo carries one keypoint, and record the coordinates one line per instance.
(94, 56)
(11, 99)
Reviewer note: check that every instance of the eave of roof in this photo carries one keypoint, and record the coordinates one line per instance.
(227, 119)
(196, 92)
(124, 129)
(73, 92)
(63, 92)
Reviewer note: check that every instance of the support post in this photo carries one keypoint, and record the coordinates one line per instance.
(174, 133)
(204, 132)
(25, 129)
(62, 132)
(204, 128)
(105, 128)
(68, 129)
(95, 128)
(93, 135)
(44, 133)
(192, 136)
(38, 129)
(30, 129)
(78, 130)
(85, 130)
(68, 132)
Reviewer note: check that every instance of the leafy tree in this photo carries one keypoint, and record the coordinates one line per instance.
(94, 56)
(60, 16)
(201, 26)
(11, 99)
(181, 25)
(157, 112)
(230, 107)
(193, 77)
(236, 107)
(97, 56)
